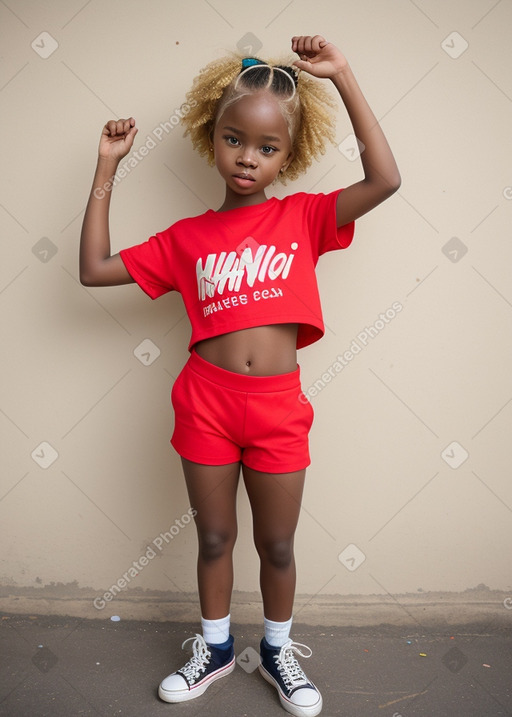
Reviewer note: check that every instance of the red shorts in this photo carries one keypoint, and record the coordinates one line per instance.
(223, 417)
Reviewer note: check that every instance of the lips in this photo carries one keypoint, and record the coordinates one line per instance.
(244, 181)
(244, 175)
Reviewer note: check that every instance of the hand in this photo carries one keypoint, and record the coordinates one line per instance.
(317, 56)
(117, 139)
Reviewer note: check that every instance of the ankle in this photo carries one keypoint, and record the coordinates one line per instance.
(216, 632)
(277, 633)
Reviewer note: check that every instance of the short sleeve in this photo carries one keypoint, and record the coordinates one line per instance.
(321, 217)
(151, 264)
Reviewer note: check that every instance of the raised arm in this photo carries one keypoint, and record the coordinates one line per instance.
(97, 266)
(381, 176)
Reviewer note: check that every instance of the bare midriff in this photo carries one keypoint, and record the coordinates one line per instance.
(258, 351)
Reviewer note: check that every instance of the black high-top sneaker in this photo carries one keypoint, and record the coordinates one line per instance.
(207, 664)
(279, 666)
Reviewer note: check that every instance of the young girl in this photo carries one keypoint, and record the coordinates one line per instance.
(246, 274)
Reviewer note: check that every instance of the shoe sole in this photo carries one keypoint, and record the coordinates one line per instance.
(296, 710)
(197, 690)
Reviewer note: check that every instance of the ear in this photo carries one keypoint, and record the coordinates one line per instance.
(287, 163)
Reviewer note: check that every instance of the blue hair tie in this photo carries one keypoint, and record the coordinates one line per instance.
(250, 61)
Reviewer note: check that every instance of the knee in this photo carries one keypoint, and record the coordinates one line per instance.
(278, 553)
(214, 545)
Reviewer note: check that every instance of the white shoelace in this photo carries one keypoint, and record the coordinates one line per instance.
(289, 669)
(197, 662)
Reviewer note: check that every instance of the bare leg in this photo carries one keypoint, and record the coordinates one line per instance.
(212, 493)
(275, 502)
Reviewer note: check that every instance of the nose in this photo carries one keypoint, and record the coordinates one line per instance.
(247, 157)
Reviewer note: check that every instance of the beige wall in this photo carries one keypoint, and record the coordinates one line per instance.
(384, 477)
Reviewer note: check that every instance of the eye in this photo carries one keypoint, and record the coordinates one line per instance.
(267, 149)
(231, 141)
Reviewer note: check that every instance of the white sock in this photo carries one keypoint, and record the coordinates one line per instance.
(277, 633)
(216, 631)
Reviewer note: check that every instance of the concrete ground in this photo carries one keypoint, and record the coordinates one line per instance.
(67, 667)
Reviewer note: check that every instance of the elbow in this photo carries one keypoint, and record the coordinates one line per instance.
(88, 273)
(385, 186)
(82, 275)
(83, 270)
(395, 182)
(391, 186)
(86, 279)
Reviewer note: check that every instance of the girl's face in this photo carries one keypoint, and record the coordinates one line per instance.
(251, 145)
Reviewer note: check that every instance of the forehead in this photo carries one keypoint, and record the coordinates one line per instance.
(258, 112)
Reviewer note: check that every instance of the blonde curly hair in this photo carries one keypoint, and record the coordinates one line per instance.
(309, 111)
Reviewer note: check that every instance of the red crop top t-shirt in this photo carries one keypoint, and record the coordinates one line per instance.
(245, 267)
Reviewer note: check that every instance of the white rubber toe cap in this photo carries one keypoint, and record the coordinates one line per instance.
(305, 697)
(173, 688)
